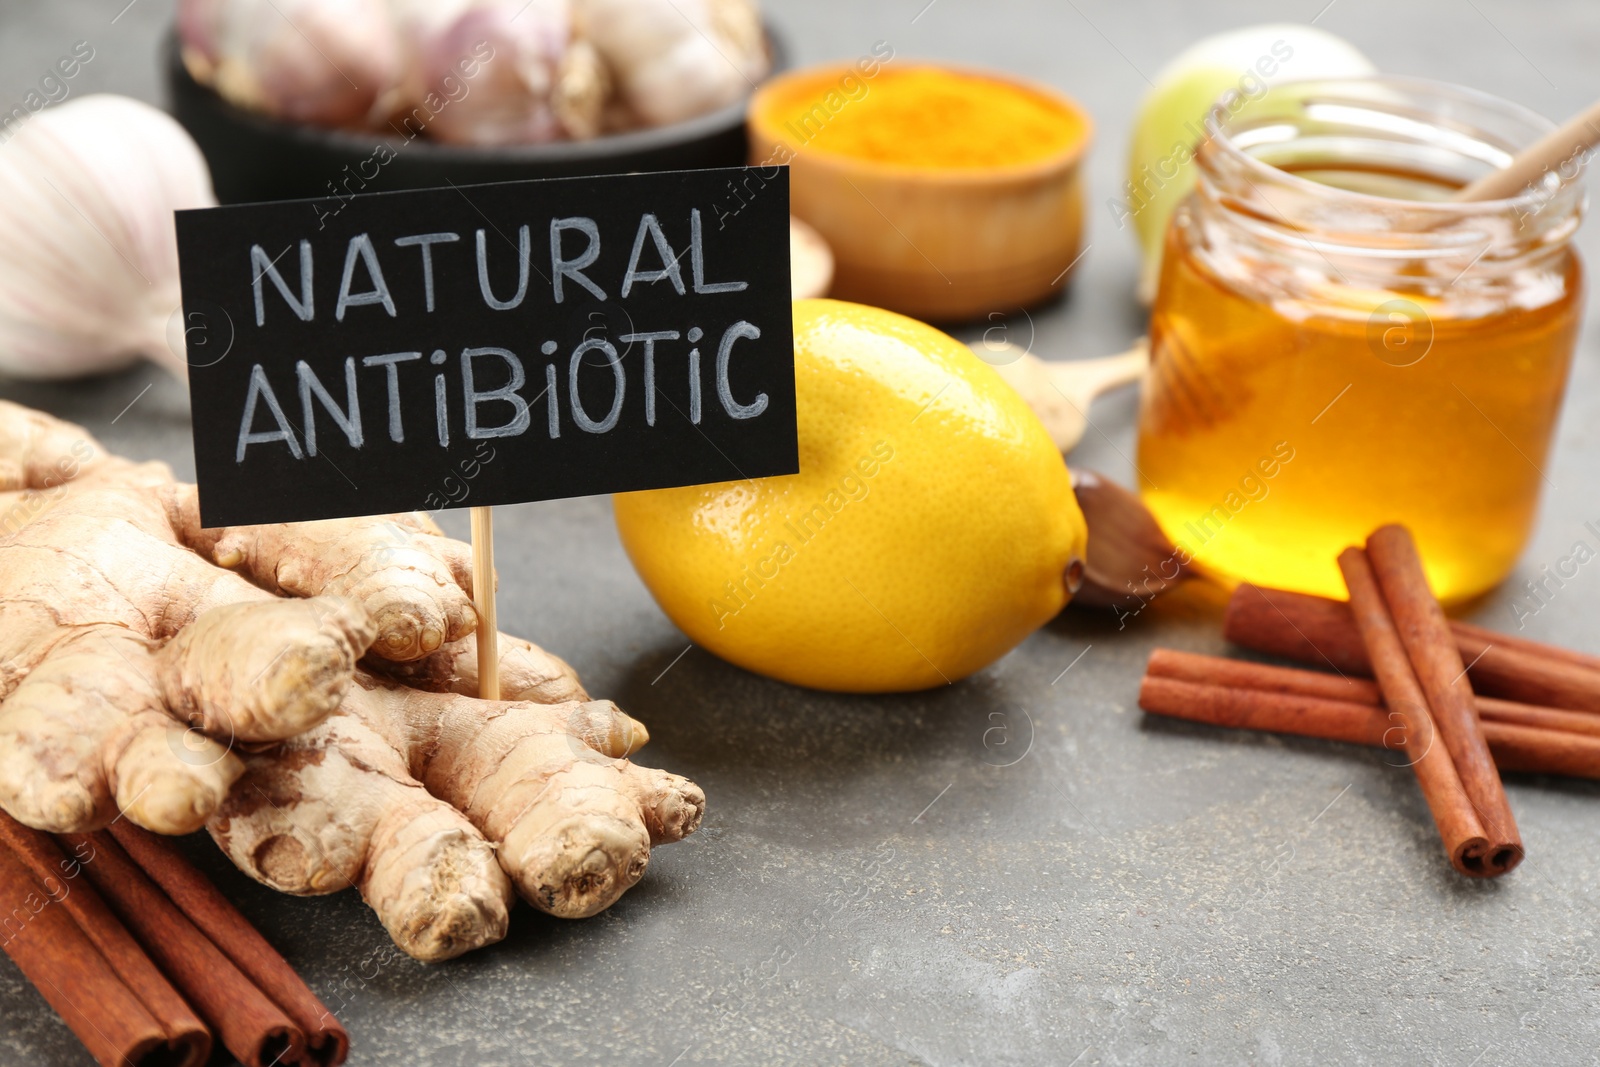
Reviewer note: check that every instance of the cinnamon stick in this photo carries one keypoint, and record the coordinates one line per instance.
(251, 1026)
(327, 1043)
(1262, 709)
(1243, 674)
(1491, 709)
(1319, 631)
(187, 1040)
(1524, 645)
(1541, 751)
(1465, 839)
(1307, 629)
(1431, 648)
(1505, 667)
(54, 953)
(1515, 748)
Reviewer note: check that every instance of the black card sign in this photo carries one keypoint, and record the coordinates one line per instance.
(488, 344)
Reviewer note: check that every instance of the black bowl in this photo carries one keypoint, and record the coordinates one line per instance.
(256, 157)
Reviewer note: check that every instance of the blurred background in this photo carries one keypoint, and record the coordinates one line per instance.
(1129, 895)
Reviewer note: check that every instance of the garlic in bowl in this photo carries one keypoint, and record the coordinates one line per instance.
(462, 91)
(945, 192)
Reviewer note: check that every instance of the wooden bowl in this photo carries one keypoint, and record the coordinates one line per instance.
(942, 245)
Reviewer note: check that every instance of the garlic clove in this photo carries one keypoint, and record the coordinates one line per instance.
(89, 270)
(676, 59)
(582, 86)
(481, 72)
(317, 61)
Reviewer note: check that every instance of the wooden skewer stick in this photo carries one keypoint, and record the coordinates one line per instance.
(1574, 137)
(483, 600)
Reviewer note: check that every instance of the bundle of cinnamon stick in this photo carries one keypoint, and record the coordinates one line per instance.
(145, 959)
(1457, 700)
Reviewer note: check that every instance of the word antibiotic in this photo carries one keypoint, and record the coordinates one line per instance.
(347, 416)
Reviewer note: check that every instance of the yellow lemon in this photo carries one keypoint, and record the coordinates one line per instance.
(932, 525)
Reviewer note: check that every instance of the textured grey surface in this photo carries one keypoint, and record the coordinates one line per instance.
(871, 885)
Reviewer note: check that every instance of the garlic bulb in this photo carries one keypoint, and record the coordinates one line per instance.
(89, 266)
(675, 59)
(319, 61)
(484, 72)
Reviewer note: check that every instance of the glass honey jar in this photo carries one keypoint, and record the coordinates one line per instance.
(1336, 344)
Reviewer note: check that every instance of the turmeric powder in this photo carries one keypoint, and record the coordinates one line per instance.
(927, 118)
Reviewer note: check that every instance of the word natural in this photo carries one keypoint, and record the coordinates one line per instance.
(741, 591)
(53, 89)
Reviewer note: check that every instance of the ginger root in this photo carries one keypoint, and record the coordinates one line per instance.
(308, 693)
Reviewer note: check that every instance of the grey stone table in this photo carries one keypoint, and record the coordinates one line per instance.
(872, 885)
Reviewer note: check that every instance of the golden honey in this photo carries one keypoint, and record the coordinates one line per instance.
(1335, 345)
